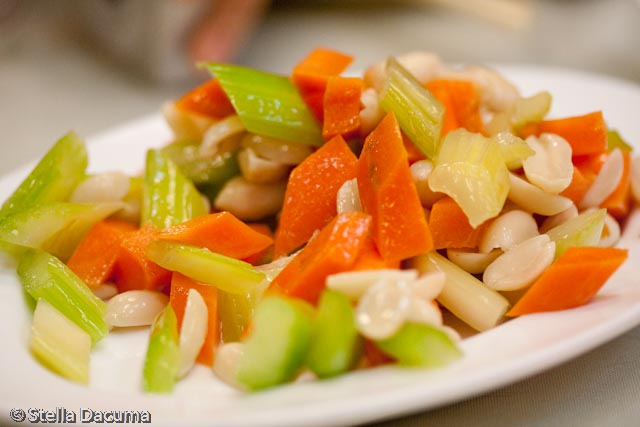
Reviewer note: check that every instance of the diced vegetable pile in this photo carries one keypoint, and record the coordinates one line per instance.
(323, 223)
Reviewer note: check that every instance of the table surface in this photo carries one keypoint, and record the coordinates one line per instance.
(50, 82)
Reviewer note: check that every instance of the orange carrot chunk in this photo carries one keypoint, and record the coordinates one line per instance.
(450, 226)
(94, 258)
(311, 74)
(370, 258)
(207, 99)
(335, 249)
(571, 281)
(310, 197)
(267, 252)
(133, 269)
(462, 104)
(180, 287)
(388, 193)
(579, 185)
(219, 232)
(619, 201)
(586, 134)
(341, 106)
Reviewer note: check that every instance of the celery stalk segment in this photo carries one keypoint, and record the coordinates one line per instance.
(228, 274)
(418, 112)
(53, 178)
(582, 230)
(169, 198)
(268, 104)
(235, 312)
(200, 169)
(45, 276)
(60, 344)
(162, 361)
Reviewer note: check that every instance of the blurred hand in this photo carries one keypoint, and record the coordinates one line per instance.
(225, 29)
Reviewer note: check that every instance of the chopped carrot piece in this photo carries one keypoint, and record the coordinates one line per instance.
(586, 134)
(266, 253)
(571, 281)
(579, 185)
(94, 258)
(450, 226)
(413, 153)
(341, 106)
(311, 74)
(219, 232)
(619, 202)
(310, 197)
(370, 258)
(133, 269)
(180, 287)
(207, 99)
(462, 104)
(388, 193)
(335, 249)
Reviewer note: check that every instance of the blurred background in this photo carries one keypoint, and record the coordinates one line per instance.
(91, 64)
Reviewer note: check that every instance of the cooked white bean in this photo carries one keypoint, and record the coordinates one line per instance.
(420, 172)
(184, 124)
(285, 152)
(508, 230)
(555, 220)
(371, 113)
(533, 199)
(607, 180)
(134, 308)
(428, 286)
(472, 262)
(518, 267)
(383, 309)
(249, 201)
(258, 170)
(635, 178)
(550, 167)
(227, 362)
(102, 187)
(354, 284)
(222, 136)
(195, 323)
(424, 311)
(348, 197)
(611, 232)
(106, 291)
(451, 333)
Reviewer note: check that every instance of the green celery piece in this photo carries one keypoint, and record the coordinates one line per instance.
(614, 140)
(56, 227)
(582, 230)
(59, 344)
(418, 112)
(276, 349)
(202, 170)
(268, 104)
(531, 109)
(471, 169)
(513, 148)
(225, 273)
(335, 343)
(235, 312)
(45, 276)
(168, 198)
(162, 360)
(417, 344)
(54, 177)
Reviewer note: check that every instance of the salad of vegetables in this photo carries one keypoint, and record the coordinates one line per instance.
(322, 223)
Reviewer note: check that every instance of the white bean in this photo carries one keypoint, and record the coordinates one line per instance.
(508, 230)
(420, 172)
(258, 170)
(423, 311)
(518, 267)
(184, 124)
(134, 308)
(383, 308)
(533, 199)
(550, 168)
(221, 137)
(102, 187)
(555, 220)
(371, 113)
(607, 180)
(348, 197)
(472, 262)
(354, 284)
(428, 286)
(195, 323)
(249, 201)
(611, 232)
(635, 178)
(227, 362)
(285, 152)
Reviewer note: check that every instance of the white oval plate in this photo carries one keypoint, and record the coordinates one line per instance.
(508, 353)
